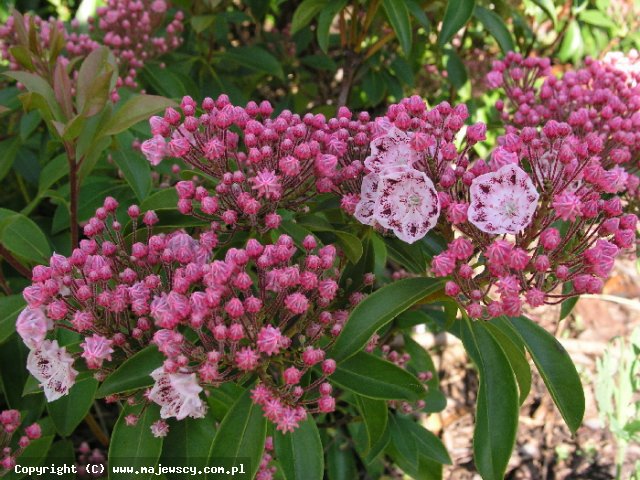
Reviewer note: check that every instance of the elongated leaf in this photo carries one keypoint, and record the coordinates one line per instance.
(418, 13)
(517, 359)
(136, 109)
(8, 152)
(300, 452)
(133, 373)
(22, 237)
(373, 377)
(188, 443)
(325, 19)
(255, 58)
(374, 416)
(404, 443)
(10, 308)
(39, 86)
(306, 12)
(67, 412)
(341, 462)
(52, 172)
(398, 16)
(377, 310)
(241, 434)
(456, 70)
(136, 171)
(427, 443)
(549, 8)
(134, 446)
(456, 15)
(497, 405)
(572, 43)
(421, 362)
(556, 368)
(496, 27)
(62, 452)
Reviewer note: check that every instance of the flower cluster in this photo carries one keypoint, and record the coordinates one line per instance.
(136, 31)
(9, 424)
(264, 310)
(260, 163)
(114, 28)
(412, 151)
(600, 100)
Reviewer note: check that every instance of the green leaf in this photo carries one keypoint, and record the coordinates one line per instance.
(497, 404)
(374, 416)
(96, 79)
(421, 361)
(341, 462)
(255, 58)
(136, 171)
(597, 19)
(133, 374)
(10, 308)
(427, 443)
(165, 199)
(67, 412)
(299, 453)
(134, 446)
(241, 434)
(377, 310)
(496, 27)
(188, 443)
(398, 16)
(28, 123)
(456, 15)
(22, 237)
(305, 12)
(32, 456)
(373, 377)
(556, 368)
(325, 20)
(62, 452)
(571, 46)
(201, 22)
(223, 399)
(517, 360)
(8, 152)
(136, 109)
(418, 13)
(405, 445)
(53, 171)
(37, 85)
(456, 70)
(549, 8)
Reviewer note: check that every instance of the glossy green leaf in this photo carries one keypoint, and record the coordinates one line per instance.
(38, 86)
(341, 462)
(134, 445)
(188, 443)
(136, 171)
(165, 199)
(255, 58)
(300, 452)
(421, 361)
(325, 19)
(306, 12)
(22, 237)
(10, 308)
(427, 444)
(496, 27)
(95, 81)
(556, 368)
(571, 46)
(374, 416)
(398, 16)
(456, 15)
(133, 374)
(517, 360)
(418, 13)
(202, 22)
(373, 377)
(62, 452)
(497, 404)
(404, 443)
(138, 108)
(67, 412)
(8, 152)
(597, 19)
(456, 69)
(373, 86)
(409, 256)
(53, 171)
(241, 434)
(377, 310)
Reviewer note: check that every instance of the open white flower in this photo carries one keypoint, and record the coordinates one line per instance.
(389, 150)
(503, 201)
(52, 366)
(177, 394)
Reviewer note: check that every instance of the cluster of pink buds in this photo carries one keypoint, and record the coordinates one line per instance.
(47, 31)
(413, 152)
(266, 310)
(542, 213)
(136, 31)
(260, 163)
(85, 455)
(9, 424)
(600, 100)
